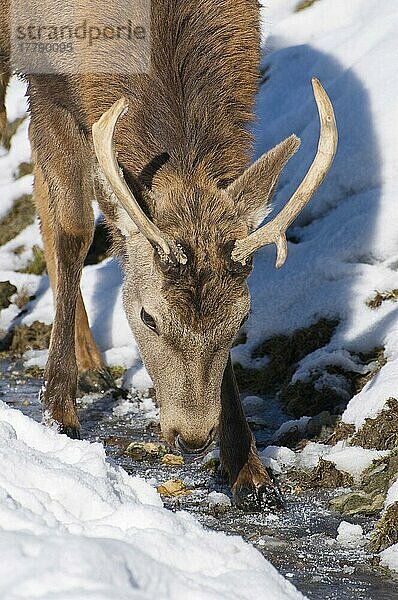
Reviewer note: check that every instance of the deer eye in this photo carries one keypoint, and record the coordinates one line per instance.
(149, 321)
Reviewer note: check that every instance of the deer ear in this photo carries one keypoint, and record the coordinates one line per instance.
(253, 190)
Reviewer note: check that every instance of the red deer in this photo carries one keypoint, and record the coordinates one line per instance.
(166, 154)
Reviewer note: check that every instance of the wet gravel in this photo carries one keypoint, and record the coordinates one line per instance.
(300, 541)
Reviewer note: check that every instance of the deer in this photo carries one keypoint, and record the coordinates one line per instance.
(167, 155)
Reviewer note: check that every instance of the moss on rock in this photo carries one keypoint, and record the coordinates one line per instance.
(369, 498)
(358, 502)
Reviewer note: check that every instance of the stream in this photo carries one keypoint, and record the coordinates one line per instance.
(300, 541)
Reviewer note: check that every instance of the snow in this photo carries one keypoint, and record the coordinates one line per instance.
(351, 459)
(392, 495)
(350, 535)
(218, 499)
(389, 557)
(73, 526)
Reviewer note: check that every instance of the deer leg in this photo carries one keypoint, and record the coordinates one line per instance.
(61, 370)
(239, 456)
(64, 192)
(88, 357)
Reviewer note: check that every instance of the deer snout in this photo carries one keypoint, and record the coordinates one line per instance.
(194, 446)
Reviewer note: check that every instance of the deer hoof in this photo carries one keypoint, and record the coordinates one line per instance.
(71, 432)
(254, 488)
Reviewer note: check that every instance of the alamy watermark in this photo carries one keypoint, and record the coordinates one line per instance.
(80, 36)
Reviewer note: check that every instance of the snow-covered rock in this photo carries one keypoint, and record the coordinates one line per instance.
(350, 535)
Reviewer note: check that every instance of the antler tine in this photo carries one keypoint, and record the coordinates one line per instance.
(274, 232)
(103, 131)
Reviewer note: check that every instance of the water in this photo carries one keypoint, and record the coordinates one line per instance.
(299, 541)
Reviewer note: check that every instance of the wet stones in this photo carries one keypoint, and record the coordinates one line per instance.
(146, 451)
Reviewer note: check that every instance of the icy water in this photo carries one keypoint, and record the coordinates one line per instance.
(300, 541)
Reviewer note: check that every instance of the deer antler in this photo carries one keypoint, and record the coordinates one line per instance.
(103, 131)
(274, 232)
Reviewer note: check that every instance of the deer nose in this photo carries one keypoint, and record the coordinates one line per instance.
(186, 448)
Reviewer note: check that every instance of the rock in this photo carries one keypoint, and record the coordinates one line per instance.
(358, 502)
(173, 488)
(7, 289)
(172, 460)
(145, 451)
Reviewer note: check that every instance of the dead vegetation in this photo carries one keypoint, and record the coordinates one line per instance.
(305, 397)
(27, 337)
(386, 530)
(9, 130)
(380, 433)
(20, 216)
(7, 290)
(37, 264)
(23, 298)
(284, 352)
(324, 476)
(303, 4)
(381, 297)
(25, 168)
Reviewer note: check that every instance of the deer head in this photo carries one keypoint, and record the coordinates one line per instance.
(185, 290)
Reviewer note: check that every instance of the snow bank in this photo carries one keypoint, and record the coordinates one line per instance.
(72, 526)
(389, 557)
(351, 459)
(346, 243)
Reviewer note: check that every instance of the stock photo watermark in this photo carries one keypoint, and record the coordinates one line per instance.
(48, 38)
